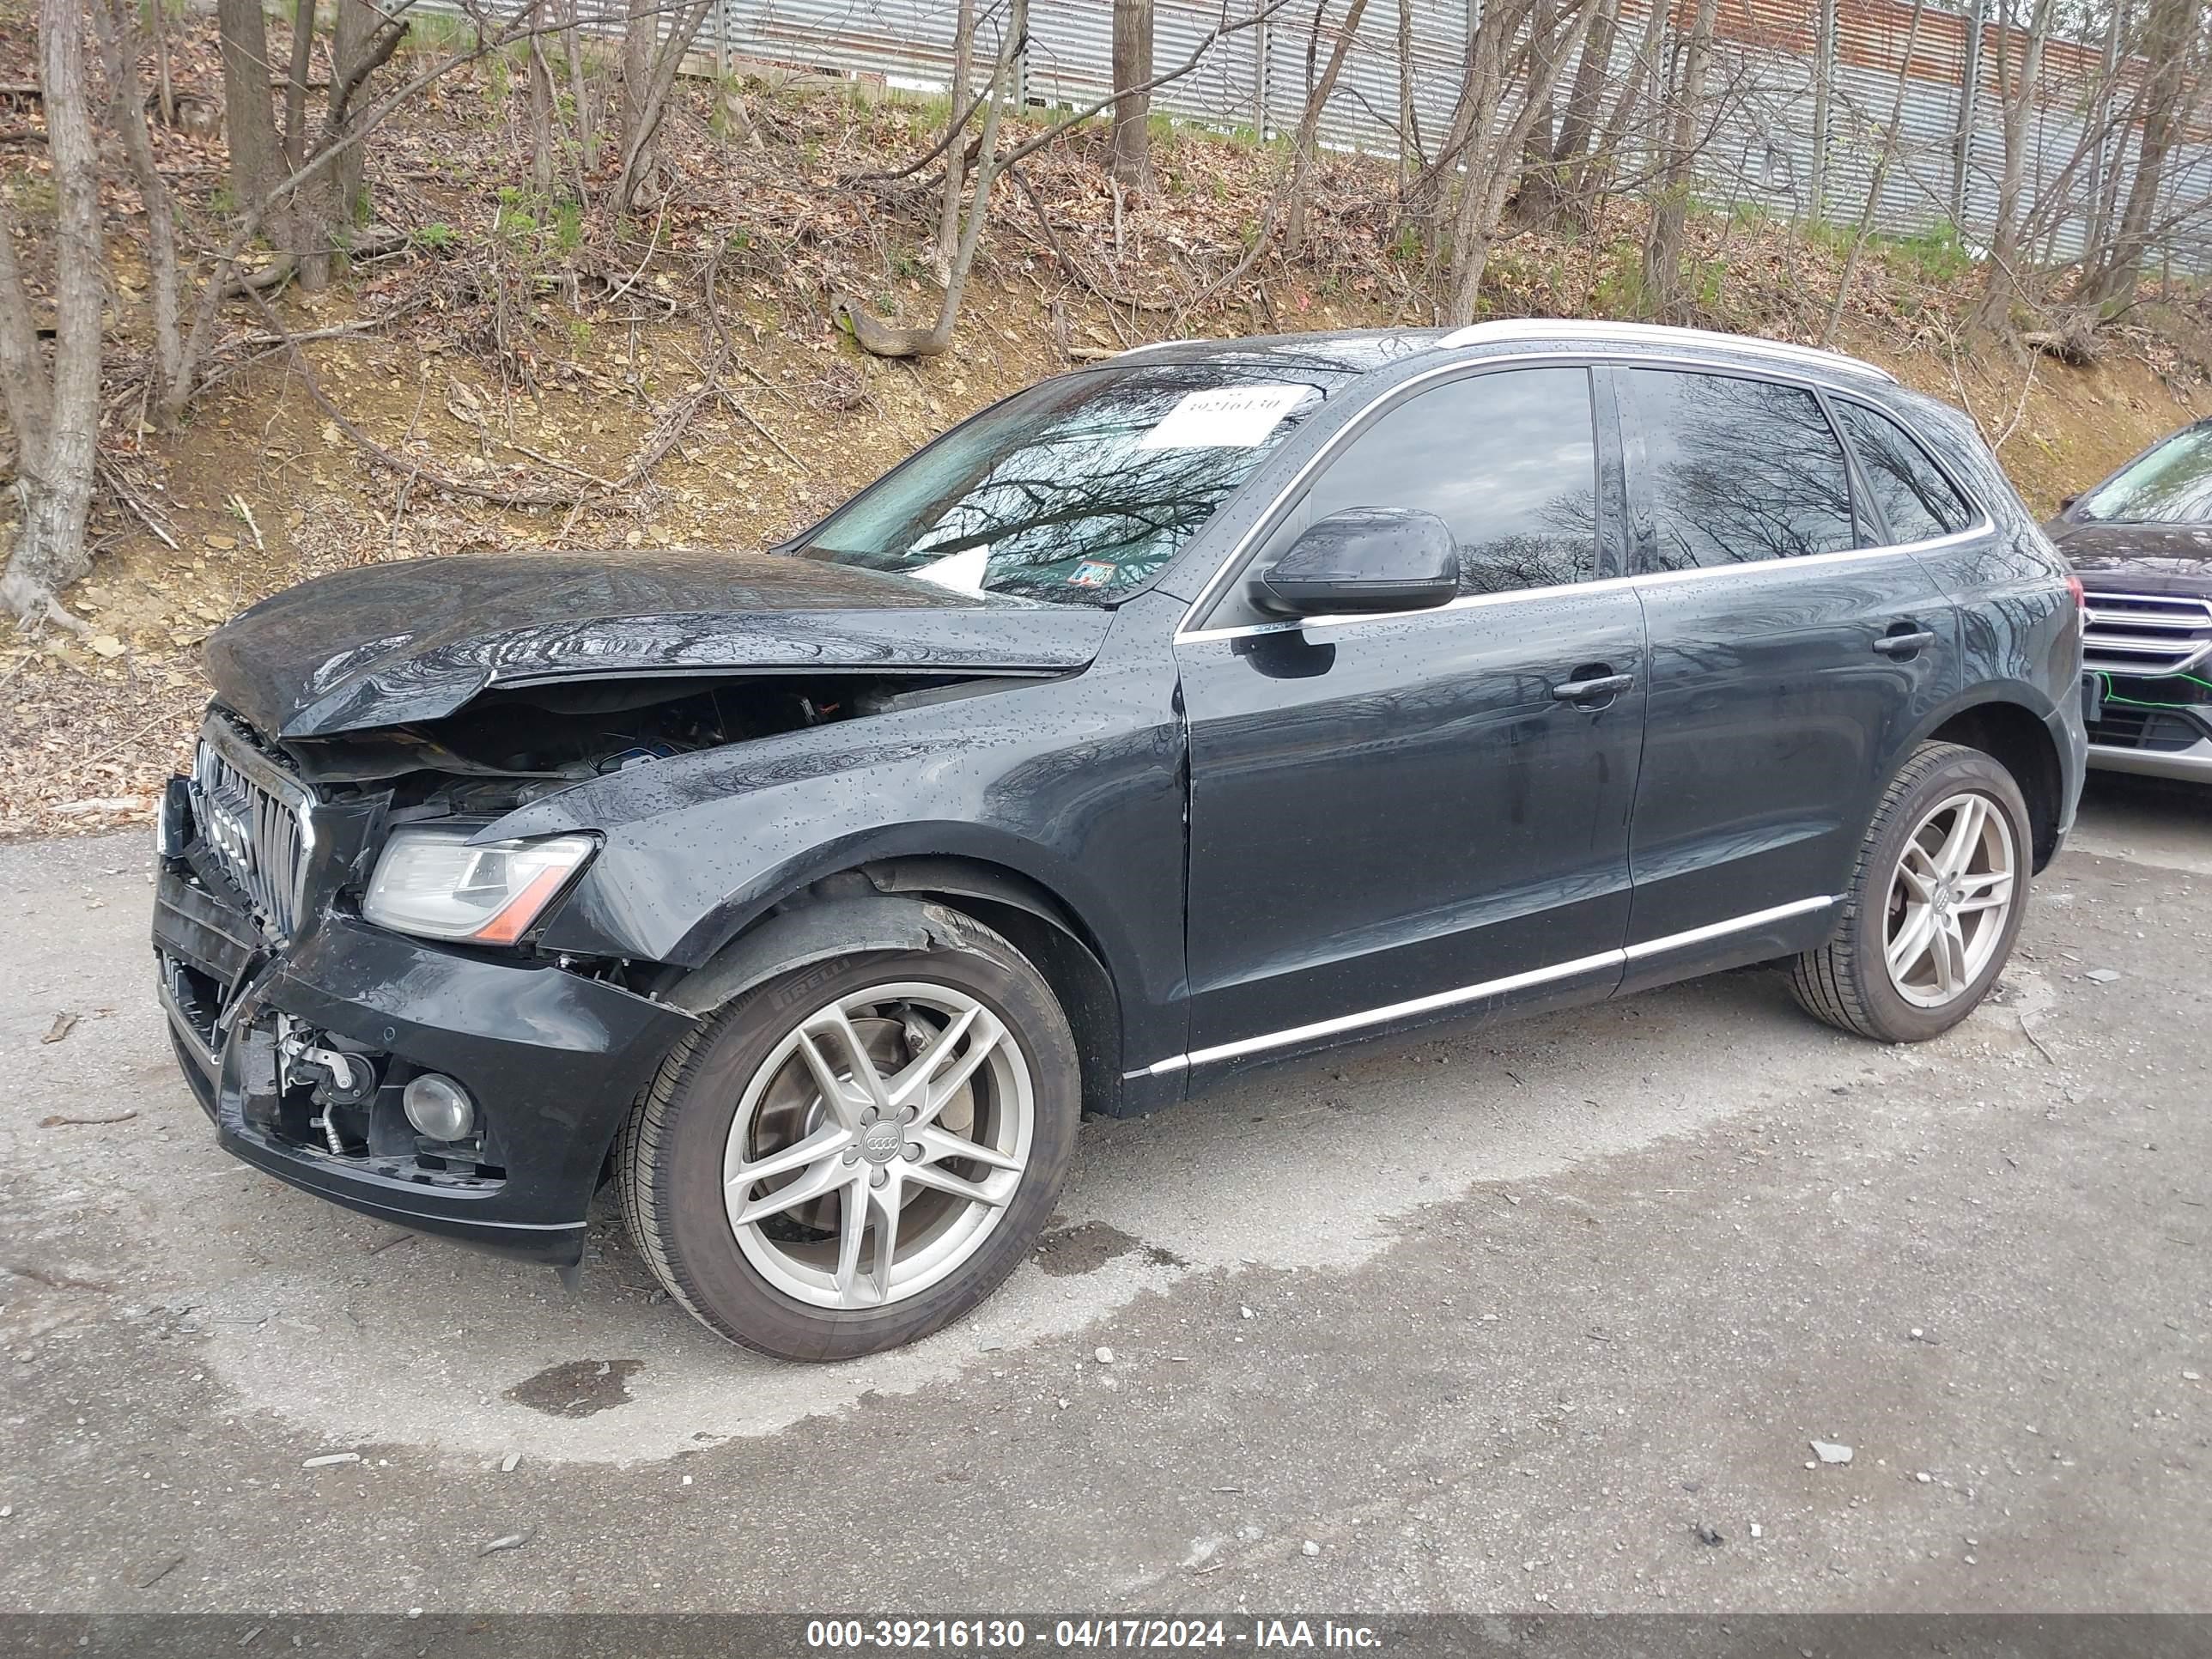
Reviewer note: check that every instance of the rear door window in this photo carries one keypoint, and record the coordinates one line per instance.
(1739, 470)
(1917, 500)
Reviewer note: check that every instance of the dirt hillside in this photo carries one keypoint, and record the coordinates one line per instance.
(492, 349)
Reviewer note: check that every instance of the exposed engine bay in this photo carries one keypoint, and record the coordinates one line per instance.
(513, 745)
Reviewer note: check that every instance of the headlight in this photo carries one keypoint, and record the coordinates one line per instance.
(432, 882)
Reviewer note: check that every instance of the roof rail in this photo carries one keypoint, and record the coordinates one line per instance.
(1508, 329)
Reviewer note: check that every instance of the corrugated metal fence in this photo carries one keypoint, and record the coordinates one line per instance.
(1777, 141)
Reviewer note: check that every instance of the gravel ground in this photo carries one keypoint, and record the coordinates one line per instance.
(1494, 1320)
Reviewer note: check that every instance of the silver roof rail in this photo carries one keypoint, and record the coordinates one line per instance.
(1505, 329)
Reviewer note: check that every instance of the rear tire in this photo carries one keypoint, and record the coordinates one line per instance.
(1935, 903)
(928, 1098)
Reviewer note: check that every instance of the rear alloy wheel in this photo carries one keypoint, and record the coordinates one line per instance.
(854, 1154)
(1950, 897)
(1935, 905)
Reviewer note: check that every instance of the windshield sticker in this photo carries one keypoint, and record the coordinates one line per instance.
(1091, 573)
(1224, 418)
(963, 572)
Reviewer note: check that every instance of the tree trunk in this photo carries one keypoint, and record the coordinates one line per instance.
(580, 89)
(882, 339)
(295, 84)
(357, 23)
(254, 154)
(164, 82)
(639, 34)
(2016, 102)
(2170, 26)
(116, 22)
(1662, 252)
(1494, 166)
(641, 120)
(1409, 117)
(56, 420)
(1132, 67)
(1536, 199)
(1294, 229)
(541, 120)
(948, 215)
(1595, 174)
(1579, 125)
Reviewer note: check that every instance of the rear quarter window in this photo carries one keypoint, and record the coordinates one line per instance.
(1917, 500)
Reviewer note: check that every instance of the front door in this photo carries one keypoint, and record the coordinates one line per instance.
(1392, 816)
(1792, 655)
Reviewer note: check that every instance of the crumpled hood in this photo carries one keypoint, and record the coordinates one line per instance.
(391, 643)
(2144, 558)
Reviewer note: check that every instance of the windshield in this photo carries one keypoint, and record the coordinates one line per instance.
(1079, 488)
(2173, 484)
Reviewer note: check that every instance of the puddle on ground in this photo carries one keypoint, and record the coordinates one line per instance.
(581, 1388)
(1086, 1248)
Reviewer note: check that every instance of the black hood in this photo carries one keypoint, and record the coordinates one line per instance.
(392, 643)
(2142, 558)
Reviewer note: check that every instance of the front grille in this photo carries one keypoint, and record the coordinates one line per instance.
(257, 821)
(2146, 633)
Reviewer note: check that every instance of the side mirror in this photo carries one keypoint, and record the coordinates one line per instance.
(2066, 503)
(1365, 558)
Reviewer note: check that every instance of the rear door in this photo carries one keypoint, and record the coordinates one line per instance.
(1794, 652)
(1394, 815)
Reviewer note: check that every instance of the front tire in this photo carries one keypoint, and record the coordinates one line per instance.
(1935, 903)
(852, 1155)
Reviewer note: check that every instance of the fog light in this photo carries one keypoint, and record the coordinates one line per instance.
(438, 1107)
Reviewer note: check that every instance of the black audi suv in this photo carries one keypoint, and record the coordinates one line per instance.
(1215, 704)
(2142, 544)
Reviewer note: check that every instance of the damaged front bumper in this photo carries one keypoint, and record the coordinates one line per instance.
(552, 1059)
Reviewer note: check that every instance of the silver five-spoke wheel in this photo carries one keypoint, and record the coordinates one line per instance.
(876, 1148)
(1949, 899)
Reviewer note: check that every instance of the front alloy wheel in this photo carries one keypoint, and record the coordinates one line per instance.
(856, 1152)
(878, 1145)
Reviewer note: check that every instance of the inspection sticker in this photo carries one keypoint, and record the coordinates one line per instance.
(1224, 418)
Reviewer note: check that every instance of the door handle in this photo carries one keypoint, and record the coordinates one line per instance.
(1905, 645)
(1604, 687)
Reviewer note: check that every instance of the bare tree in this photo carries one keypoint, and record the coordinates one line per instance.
(352, 35)
(1891, 133)
(646, 88)
(948, 217)
(580, 89)
(884, 340)
(296, 82)
(116, 21)
(1663, 250)
(2019, 85)
(1318, 94)
(55, 410)
(541, 156)
(1578, 126)
(256, 156)
(1132, 68)
(2172, 27)
(1515, 58)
